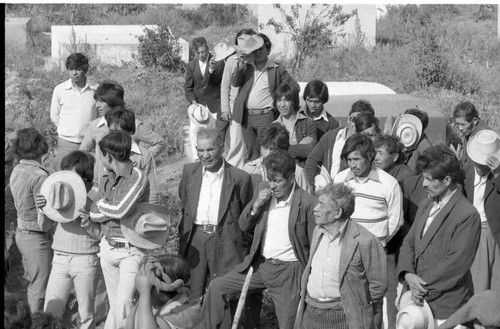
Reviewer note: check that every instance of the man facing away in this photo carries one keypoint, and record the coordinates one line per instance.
(281, 218)
(73, 105)
(345, 277)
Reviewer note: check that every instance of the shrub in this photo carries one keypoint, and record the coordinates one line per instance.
(159, 48)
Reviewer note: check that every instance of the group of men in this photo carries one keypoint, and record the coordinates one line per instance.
(328, 244)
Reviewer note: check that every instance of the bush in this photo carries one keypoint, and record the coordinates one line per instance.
(159, 48)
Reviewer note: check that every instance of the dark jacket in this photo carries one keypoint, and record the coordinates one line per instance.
(235, 194)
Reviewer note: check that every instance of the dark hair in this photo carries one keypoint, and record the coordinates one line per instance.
(422, 115)
(116, 143)
(361, 105)
(199, 42)
(365, 120)
(110, 93)
(77, 61)
(341, 195)
(275, 136)
(267, 41)
(439, 161)
(279, 161)
(123, 118)
(316, 89)
(290, 93)
(248, 31)
(391, 143)
(361, 143)
(44, 320)
(82, 162)
(176, 268)
(30, 144)
(466, 110)
(16, 312)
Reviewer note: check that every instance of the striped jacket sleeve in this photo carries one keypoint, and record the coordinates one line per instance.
(128, 197)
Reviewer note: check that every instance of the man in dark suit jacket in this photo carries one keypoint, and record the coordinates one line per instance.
(281, 218)
(213, 193)
(203, 78)
(346, 276)
(438, 251)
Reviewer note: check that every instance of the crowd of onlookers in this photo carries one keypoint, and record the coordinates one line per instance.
(355, 226)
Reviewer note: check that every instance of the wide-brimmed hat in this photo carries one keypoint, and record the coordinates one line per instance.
(482, 144)
(148, 226)
(222, 51)
(249, 43)
(483, 307)
(66, 194)
(411, 316)
(199, 115)
(408, 128)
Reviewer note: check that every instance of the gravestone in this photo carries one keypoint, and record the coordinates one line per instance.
(17, 31)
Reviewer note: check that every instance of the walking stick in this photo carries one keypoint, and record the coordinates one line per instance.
(241, 301)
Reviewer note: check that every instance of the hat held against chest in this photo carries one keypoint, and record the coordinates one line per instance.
(483, 144)
(66, 194)
(409, 129)
(411, 316)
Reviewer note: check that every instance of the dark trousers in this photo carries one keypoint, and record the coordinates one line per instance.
(222, 126)
(206, 264)
(252, 126)
(281, 280)
(390, 295)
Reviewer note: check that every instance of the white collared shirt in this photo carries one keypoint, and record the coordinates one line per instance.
(208, 204)
(203, 66)
(479, 190)
(276, 240)
(436, 208)
(321, 116)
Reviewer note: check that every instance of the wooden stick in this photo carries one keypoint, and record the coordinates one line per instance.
(241, 301)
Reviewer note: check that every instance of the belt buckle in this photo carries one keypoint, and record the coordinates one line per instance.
(210, 229)
(117, 244)
(275, 261)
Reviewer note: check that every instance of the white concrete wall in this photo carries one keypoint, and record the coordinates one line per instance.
(17, 31)
(112, 43)
(282, 44)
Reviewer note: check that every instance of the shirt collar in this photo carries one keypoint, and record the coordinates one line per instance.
(135, 148)
(288, 201)
(323, 116)
(126, 172)
(218, 174)
(326, 230)
(373, 175)
(102, 122)
(89, 84)
(301, 115)
(269, 64)
(444, 200)
(32, 163)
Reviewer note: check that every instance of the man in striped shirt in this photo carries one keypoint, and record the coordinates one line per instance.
(122, 188)
(379, 199)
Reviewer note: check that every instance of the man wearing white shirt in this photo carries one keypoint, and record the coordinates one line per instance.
(213, 193)
(73, 105)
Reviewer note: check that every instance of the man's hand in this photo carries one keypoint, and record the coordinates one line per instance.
(40, 201)
(194, 102)
(211, 65)
(494, 164)
(226, 116)
(306, 140)
(457, 151)
(242, 59)
(142, 283)
(417, 289)
(264, 195)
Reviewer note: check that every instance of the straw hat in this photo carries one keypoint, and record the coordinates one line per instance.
(411, 316)
(199, 115)
(222, 51)
(408, 128)
(482, 144)
(249, 43)
(66, 194)
(148, 226)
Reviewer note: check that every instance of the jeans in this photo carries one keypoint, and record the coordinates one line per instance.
(68, 270)
(64, 148)
(36, 257)
(119, 266)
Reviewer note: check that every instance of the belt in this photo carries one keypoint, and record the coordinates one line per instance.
(263, 111)
(275, 261)
(324, 303)
(31, 232)
(116, 244)
(208, 228)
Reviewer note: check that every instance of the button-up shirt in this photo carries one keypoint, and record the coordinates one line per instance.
(260, 96)
(277, 242)
(208, 204)
(324, 280)
(436, 208)
(479, 190)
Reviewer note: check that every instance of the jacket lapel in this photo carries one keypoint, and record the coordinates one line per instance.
(294, 211)
(469, 184)
(436, 223)
(349, 245)
(226, 192)
(194, 191)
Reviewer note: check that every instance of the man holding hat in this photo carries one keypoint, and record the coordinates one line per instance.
(258, 77)
(122, 188)
(482, 188)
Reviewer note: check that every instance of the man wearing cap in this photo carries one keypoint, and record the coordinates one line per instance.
(281, 220)
(213, 193)
(482, 188)
(437, 253)
(467, 122)
(73, 105)
(345, 277)
(257, 77)
(122, 188)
